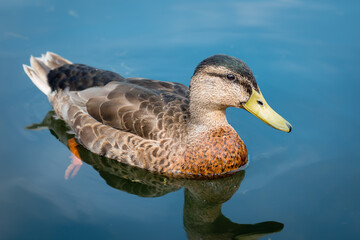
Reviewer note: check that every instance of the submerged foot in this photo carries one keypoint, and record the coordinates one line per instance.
(76, 162)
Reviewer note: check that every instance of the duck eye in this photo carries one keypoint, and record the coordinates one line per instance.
(231, 77)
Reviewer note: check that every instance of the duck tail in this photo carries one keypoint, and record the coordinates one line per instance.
(40, 67)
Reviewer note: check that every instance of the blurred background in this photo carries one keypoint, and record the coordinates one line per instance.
(304, 54)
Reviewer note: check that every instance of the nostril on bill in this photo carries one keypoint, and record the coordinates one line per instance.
(260, 102)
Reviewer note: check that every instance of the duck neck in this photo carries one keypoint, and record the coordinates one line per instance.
(204, 117)
(207, 116)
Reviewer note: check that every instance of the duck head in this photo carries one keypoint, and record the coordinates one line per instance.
(222, 81)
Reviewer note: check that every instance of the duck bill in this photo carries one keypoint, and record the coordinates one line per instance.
(257, 106)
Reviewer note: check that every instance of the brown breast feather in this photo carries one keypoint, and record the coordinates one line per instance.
(217, 152)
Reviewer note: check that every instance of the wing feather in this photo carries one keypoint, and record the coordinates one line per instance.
(148, 108)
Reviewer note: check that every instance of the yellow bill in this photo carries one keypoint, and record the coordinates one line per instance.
(259, 107)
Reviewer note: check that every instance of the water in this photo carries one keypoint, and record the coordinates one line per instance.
(302, 185)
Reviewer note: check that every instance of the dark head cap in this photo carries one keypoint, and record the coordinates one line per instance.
(234, 65)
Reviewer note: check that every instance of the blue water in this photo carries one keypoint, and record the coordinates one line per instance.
(304, 185)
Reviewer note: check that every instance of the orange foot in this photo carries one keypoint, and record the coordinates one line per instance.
(76, 162)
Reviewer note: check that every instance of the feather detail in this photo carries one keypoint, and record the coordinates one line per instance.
(40, 67)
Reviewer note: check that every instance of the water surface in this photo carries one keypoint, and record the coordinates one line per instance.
(302, 185)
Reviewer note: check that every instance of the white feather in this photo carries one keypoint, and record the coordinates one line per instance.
(40, 67)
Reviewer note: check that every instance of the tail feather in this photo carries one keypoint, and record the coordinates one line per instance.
(40, 67)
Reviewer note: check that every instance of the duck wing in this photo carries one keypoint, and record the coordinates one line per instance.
(148, 108)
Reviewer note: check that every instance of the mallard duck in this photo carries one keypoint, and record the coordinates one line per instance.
(163, 127)
(203, 200)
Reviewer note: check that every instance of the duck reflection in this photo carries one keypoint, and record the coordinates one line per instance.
(202, 216)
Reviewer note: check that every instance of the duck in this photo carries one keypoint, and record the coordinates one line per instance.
(163, 127)
(203, 200)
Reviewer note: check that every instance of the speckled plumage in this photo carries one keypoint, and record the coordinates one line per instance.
(231, 63)
(147, 123)
(77, 77)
